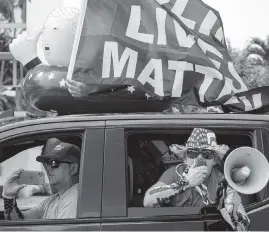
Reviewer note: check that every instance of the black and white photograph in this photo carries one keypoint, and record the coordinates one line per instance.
(134, 115)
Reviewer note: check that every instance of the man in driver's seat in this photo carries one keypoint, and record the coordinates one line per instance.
(61, 162)
(194, 183)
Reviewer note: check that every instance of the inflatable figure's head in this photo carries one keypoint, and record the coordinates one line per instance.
(59, 34)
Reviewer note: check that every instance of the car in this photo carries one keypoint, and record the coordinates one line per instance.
(120, 161)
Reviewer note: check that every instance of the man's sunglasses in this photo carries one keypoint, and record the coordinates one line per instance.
(55, 163)
(206, 154)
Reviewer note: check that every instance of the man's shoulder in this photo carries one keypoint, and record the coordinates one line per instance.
(73, 191)
(74, 187)
(71, 194)
(70, 197)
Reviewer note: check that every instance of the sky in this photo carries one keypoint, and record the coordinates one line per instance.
(242, 19)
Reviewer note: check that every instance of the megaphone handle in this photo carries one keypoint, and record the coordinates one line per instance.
(221, 190)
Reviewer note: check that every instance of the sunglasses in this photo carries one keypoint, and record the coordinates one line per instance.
(55, 163)
(206, 154)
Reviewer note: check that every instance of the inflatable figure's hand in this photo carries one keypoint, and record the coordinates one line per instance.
(24, 47)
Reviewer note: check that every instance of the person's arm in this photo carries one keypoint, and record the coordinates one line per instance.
(162, 192)
(12, 211)
(11, 189)
(234, 212)
(168, 186)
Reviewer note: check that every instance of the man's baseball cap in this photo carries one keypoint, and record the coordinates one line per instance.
(60, 151)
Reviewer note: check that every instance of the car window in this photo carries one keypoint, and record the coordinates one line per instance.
(149, 157)
(58, 156)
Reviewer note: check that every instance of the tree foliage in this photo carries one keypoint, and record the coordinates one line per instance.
(7, 9)
(253, 70)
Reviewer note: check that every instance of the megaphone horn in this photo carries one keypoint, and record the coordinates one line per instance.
(246, 170)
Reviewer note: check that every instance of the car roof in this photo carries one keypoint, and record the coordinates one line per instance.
(24, 121)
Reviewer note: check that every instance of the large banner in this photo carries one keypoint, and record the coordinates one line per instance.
(168, 50)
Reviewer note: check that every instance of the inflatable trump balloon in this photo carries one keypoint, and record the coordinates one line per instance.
(45, 82)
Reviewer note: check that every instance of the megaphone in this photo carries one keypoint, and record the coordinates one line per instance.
(246, 170)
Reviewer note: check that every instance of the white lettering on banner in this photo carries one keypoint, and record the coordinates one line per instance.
(178, 10)
(111, 53)
(161, 2)
(134, 25)
(216, 63)
(232, 100)
(204, 87)
(152, 73)
(236, 77)
(207, 47)
(208, 23)
(161, 18)
(207, 71)
(220, 34)
(179, 67)
(257, 102)
(182, 38)
(226, 90)
(210, 75)
(154, 65)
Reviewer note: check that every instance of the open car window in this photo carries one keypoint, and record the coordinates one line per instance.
(21, 153)
(149, 157)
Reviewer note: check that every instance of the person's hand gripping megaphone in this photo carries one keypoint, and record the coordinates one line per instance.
(232, 200)
(24, 47)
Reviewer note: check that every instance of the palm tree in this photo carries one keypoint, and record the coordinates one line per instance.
(7, 9)
(252, 63)
(258, 51)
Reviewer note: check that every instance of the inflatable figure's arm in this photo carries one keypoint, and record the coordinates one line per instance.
(33, 63)
(24, 49)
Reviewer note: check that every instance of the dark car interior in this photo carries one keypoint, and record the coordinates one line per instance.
(147, 167)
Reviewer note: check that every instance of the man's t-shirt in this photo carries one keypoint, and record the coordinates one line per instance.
(59, 207)
(191, 197)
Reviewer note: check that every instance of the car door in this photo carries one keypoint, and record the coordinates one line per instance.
(90, 180)
(258, 212)
(116, 215)
(116, 212)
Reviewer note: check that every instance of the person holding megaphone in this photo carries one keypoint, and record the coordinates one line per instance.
(196, 182)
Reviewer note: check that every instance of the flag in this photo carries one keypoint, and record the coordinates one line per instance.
(252, 101)
(145, 56)
(156, 50)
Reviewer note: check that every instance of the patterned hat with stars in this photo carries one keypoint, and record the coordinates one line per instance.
(201, 138)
